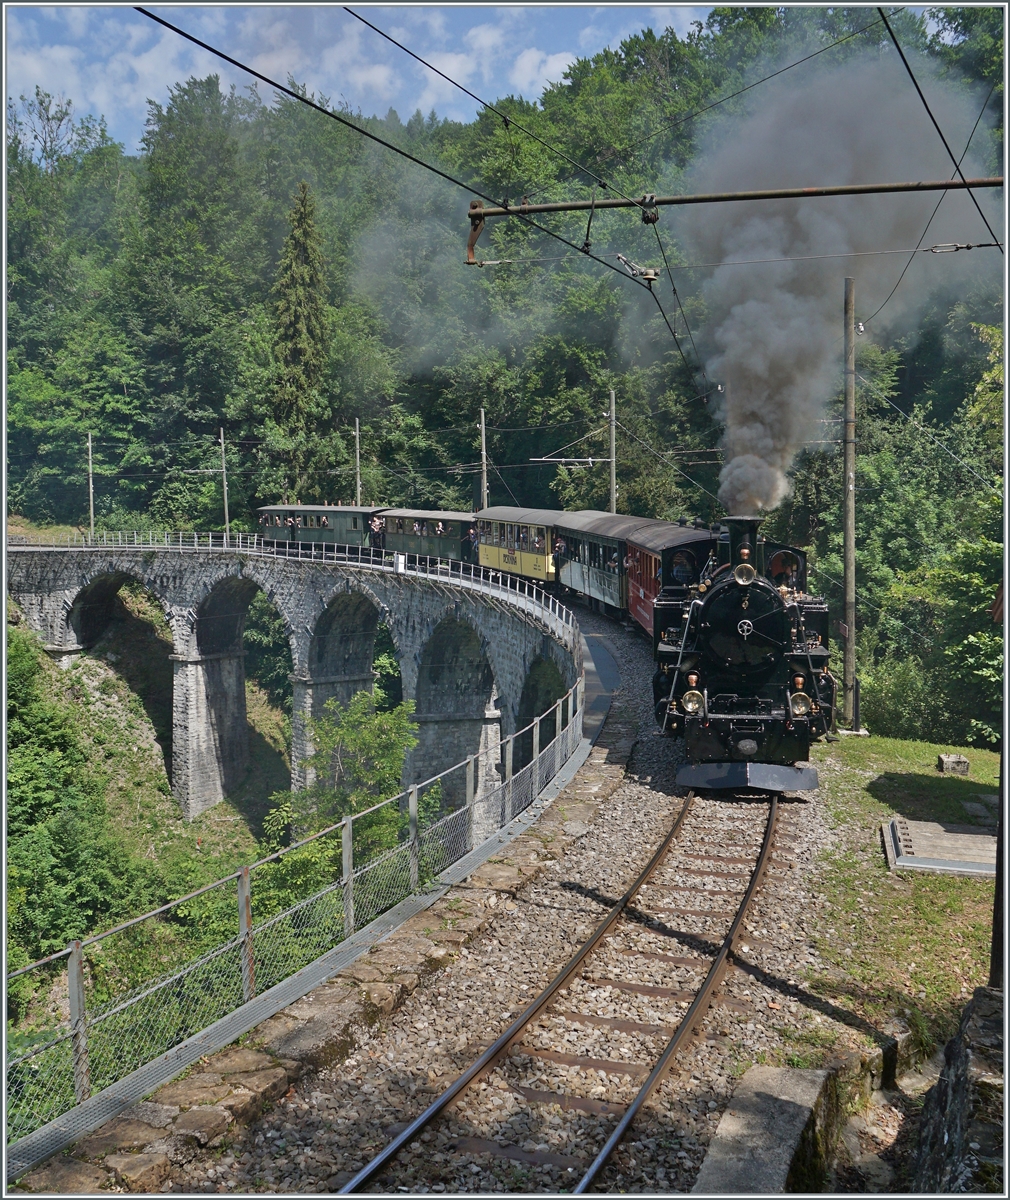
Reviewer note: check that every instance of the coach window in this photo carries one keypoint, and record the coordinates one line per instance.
(524, 537)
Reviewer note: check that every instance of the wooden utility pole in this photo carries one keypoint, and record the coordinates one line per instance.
(224, 485)
(91, 490)
(357, 463)
(849, 507)
(613, 452)
(483, 462)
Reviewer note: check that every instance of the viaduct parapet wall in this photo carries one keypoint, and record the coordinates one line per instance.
(473, 655)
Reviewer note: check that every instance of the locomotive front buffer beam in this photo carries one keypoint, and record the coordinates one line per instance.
(764, 777)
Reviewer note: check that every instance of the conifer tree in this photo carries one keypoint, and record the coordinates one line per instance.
(301, 340)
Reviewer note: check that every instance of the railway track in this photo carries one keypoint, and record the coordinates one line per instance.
(632, 996)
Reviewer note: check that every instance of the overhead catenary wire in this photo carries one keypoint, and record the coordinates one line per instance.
(862, 600)
(733, 95)
(929, 113)
(374, 137)
(939, 248)
(676, 296)
(922, 428)
(663, 458)
(510, 121)
(943, 196)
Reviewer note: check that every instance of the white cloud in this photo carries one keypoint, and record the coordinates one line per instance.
(678, 16)
(532, 70)
(110, 60)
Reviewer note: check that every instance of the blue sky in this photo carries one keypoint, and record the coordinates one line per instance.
(110, 60)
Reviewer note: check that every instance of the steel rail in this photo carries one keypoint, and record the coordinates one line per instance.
(649, 202)
(698, 1007)
(494, 1052)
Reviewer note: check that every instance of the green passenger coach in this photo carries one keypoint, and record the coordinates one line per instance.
(340, 525)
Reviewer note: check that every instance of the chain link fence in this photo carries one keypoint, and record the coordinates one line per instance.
(95, 1012)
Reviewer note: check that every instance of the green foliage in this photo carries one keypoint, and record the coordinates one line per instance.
(358, 757)
(268, 651)
(70, 873)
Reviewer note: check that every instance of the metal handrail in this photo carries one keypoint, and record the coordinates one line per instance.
(570, 696)
(362, 556)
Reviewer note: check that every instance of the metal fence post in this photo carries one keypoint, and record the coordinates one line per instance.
(535, 772)
(414, 846)
(347, 847)
(78, 1023)
(471, 792)
(507, 805)
(245, 934)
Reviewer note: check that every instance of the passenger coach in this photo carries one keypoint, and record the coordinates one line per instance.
(340, 524)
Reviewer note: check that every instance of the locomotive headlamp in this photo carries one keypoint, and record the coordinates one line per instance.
(798, 682)
(744, 574)
(692, 679)
(745, 552)
(692, 702)
(800, 704)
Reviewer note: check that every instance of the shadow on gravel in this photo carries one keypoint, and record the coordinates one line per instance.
(703, 945)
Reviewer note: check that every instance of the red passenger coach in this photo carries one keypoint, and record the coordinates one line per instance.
(644, 582)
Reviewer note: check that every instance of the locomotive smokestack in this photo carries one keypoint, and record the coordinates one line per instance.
(743, 535)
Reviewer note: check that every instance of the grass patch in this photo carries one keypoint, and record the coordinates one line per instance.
(903, 943)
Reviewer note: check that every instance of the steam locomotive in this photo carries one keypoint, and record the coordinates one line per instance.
(742, 665)
(741, 648)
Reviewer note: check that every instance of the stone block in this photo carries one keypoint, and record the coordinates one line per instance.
(499, 876)
(451, 937)
(361, 972)
(952, 764)
(762, 1133)
(393, 958)
(382, 996)
(315, 1042)
(158, 1115)
(140, 1172)
(239, 1058)
(66, 1177)
(407, 980)
(178, 1148)
(119, 1134)
(241, 1103)
(293, 1068)
(265, 1085)
(194, 1090)
(204, 1124)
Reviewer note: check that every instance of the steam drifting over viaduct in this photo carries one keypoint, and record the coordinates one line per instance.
(475, 656)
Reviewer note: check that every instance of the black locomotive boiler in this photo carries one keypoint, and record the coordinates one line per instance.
(742, 674)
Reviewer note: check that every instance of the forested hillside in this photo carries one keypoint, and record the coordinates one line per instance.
(260, 268)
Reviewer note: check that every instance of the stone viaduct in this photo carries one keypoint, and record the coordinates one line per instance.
(469, 652)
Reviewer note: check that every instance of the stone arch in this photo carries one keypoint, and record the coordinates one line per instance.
(336, 664)
(543, 687)
(456, 709)
(343, 639)
(94, 606)
(220, 617)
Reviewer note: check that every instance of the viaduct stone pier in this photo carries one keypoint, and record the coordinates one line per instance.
(476, 655)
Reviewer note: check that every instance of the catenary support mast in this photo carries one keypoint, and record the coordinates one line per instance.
(483, 462)
(91, 490)
(849, 509)
(357, 463)
(613, 452)
(224, 485)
